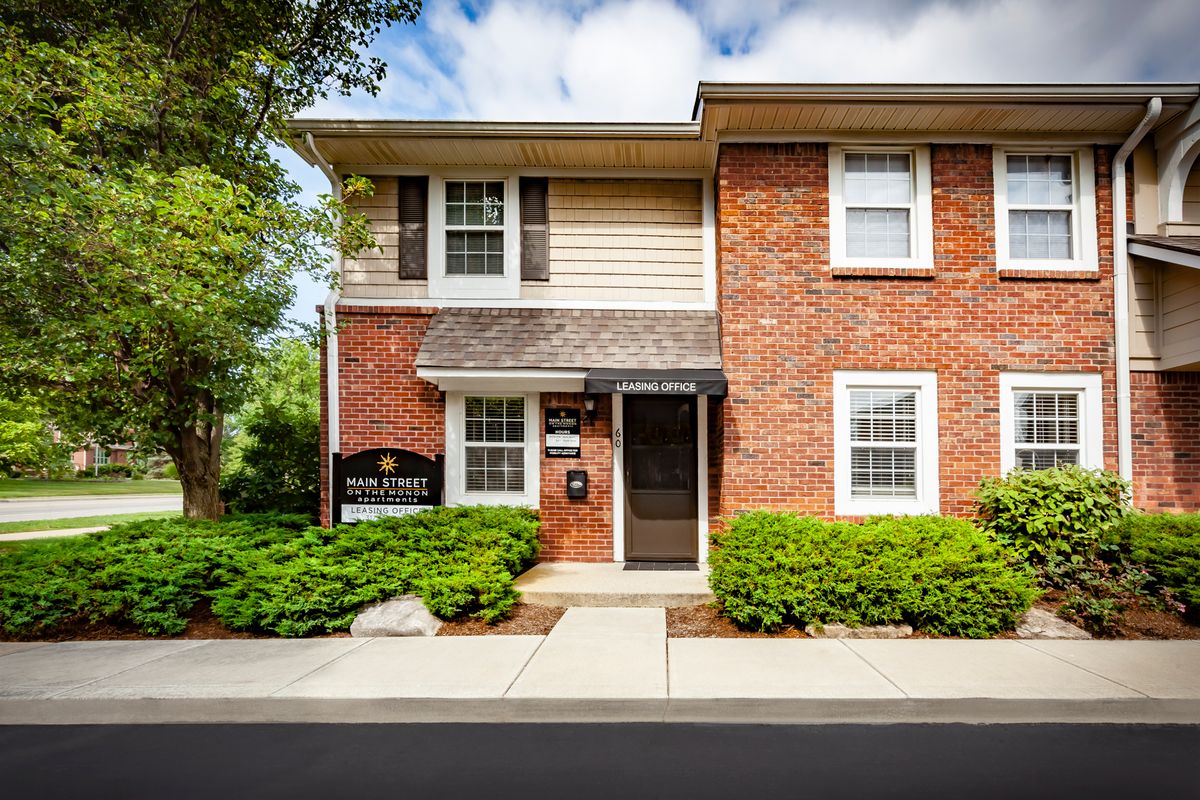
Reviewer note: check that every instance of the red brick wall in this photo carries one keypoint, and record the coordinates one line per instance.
(788, 324)
(1166, 440)
(383, 402)
(578, 530)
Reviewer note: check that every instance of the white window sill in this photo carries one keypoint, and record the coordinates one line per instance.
(868, 508)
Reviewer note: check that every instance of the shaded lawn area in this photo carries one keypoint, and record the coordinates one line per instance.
(25, 526)
(11, 488)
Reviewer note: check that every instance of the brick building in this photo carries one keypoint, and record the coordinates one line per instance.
(839, 300)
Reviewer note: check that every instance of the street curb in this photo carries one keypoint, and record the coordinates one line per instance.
(756, 711)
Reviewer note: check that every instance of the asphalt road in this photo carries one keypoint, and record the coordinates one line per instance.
(600, 761)
(61, 507)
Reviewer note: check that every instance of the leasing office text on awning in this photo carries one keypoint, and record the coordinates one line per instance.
(656, 381)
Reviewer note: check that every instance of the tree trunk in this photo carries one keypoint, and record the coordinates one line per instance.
(197, 456)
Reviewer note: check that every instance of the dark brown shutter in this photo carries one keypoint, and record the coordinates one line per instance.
(414, 238)
(535, 225)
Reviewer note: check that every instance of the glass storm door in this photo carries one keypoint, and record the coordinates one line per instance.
(660, 478)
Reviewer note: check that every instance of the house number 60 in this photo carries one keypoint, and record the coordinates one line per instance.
(617, 438)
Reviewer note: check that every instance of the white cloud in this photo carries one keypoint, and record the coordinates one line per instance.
(641, 59)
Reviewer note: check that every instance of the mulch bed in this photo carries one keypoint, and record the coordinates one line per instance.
(703, 622)
(530, 620)
(202, 624)
(525, 620)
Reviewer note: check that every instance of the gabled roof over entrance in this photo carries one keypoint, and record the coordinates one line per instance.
(570, 339)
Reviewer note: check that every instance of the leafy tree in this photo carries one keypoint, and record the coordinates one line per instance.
(272, 462)
(147, 236)
(27, 439)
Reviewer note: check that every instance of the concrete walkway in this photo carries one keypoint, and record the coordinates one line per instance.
(600, 664)
(610, 585)
(50, 534)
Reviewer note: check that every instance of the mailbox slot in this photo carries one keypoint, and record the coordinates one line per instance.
(576, 483)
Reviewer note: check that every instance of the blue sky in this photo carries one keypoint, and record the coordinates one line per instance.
(618, 60)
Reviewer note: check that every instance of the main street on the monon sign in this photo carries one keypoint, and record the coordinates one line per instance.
(386, 482)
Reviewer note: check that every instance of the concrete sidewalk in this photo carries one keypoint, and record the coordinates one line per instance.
(600, 665)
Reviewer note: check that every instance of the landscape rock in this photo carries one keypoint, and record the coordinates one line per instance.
(838, 631)
(400, 616)
(1038, 623)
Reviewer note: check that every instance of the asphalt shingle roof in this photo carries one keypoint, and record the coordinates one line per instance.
(533, 338)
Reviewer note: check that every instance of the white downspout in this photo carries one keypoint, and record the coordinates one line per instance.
(333, 398)
(1121, 288)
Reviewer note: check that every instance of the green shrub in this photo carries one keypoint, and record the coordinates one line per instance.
(459, 560)
(1168, 546)
(937, 574)
(170, 472)
(1063, 510)
(114, 471)
(267, 572)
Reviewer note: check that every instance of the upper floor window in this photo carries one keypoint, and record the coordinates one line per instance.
(1045, 210)
(880, 207)
(475, 228)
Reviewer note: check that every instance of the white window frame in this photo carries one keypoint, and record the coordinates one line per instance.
(920, 234)
(1089, 385)
(1084, 248)
(456, 459)
(441, 285)
(928, 500)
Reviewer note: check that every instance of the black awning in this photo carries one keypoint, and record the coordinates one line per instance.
(656, 381)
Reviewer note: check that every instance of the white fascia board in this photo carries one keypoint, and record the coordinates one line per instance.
(479, 173)
(500, 302)
(463, 379)
(1130, 92)
(1165, 254)
(494, 130)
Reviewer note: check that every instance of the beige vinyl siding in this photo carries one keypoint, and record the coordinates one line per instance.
(1191, 195)
(1180, 293)
(623, 240)
(1143, 314)
(1165, 315)
(376, 272)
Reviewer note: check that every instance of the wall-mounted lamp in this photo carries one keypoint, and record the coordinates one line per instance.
(589, 406)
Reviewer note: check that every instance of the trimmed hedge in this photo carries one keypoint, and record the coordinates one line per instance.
(271, 572)
(939, 575)
(1168, 546)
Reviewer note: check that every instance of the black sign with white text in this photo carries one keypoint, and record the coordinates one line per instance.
(386, 481)
(562, 433)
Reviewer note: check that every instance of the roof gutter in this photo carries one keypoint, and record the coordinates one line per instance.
(333, 409)
(1121, 287)
(448, 129)
(951, 93)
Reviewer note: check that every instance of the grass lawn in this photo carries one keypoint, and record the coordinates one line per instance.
(80, 522)
(12, 488)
